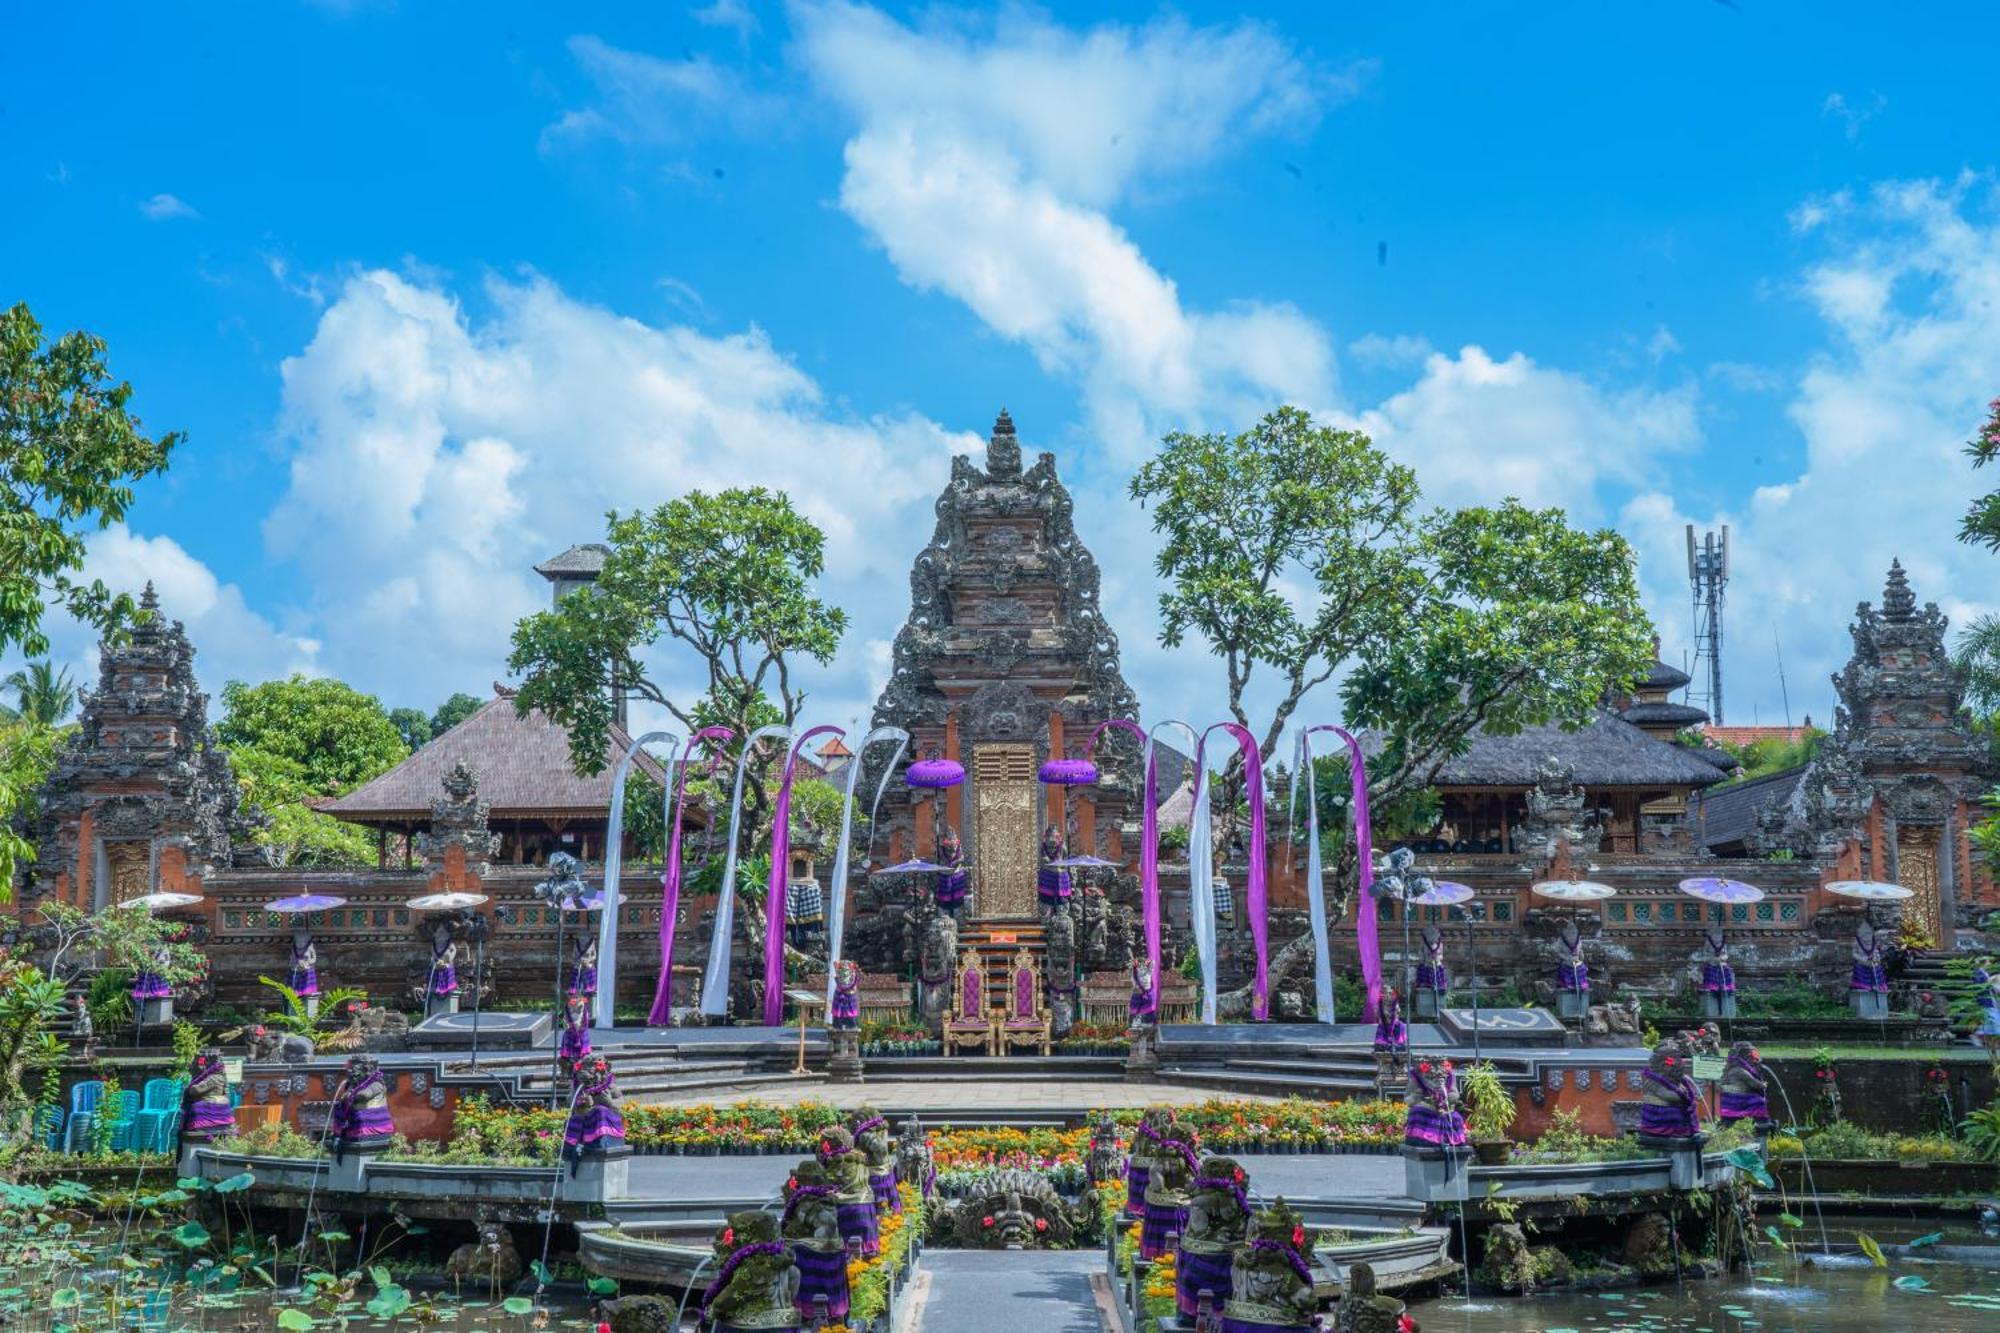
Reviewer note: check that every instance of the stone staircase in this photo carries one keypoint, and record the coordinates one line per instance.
(641, 1073)
(997, 942)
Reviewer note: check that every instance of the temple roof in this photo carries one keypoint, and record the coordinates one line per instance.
(1726, 818)
(583, 558)
(522, 763)
(1607, 751)
(1663, 715)
(1660, 676)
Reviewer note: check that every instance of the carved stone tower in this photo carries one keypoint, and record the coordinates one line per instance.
(1006, 658)
(141, 799)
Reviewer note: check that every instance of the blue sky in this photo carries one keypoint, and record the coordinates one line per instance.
(432, 286)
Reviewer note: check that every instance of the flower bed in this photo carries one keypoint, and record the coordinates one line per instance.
(1292, 1125)
(868, 1279)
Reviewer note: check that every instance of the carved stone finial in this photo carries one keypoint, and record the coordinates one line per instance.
(461, 782)
(149, 600)
(1898, 602)
(1003, 450)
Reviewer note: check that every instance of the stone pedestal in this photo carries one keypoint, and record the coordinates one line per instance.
(434, 1005)
(1572, 1004)
(1392, 1071)
(1142, 1061)
(1424, 1005)
(1683, 1158)
(598, 1176)
(157, 1013)
(1869, 1003)
(843, 1064)
(1718, 1006)
(1433, 1173)
(312, 1005)
(346, 1172)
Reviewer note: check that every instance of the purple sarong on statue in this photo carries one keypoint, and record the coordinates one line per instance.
(1392, 1036)
(951, 887)
(1136, 1177)
(1194, 1272)
(1052, 886)
(1161, 1223)
(1431, 1128)
(592, 1125)
(151, 986)
(575, 1042)
(583, 981)
(209, 1118)
(821, 1273)
(1868, 977)
(857, 1222)
(846, 1007)
(304, 980)
(1676, 1121)
(444, 979)
(1433, 976)
(1718, 978)
(886, 1198)
(1744, 1106)
(352, 1123)
(1572, 975)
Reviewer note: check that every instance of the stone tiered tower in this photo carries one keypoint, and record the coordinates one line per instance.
(1899, 779)
(141, 799)
(1006, 659)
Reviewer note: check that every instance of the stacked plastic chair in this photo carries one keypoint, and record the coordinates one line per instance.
(159, 1119)
(84, 1099)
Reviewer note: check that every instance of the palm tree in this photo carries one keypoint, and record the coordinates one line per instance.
(1978, 656)
(42, 693)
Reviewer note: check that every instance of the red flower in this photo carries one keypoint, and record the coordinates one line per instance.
(1041, 1224)
(1298, 1237)
(729, 1235)
(986, 1221)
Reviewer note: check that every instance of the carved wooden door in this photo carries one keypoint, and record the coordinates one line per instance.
(1917, 871)
(1004, 792)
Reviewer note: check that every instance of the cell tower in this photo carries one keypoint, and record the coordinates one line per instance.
(1708, 575)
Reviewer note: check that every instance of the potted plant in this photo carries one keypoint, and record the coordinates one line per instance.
(1489, 1113)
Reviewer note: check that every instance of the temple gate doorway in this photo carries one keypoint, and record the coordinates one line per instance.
(1004, 792)
(1917, 871)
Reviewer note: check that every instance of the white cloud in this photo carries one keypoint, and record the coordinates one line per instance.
(1852, 115)
(436, 456)
(646, 99)
(166, 208)
(732, 14)
(1400, 352)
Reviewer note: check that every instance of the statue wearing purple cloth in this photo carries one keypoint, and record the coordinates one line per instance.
(846, 994)
(596, 1126)
(1167, 1183)
(1670, 1103)
(1572, 973)
(205, 1109)
(1743, 1086)
(1718, 977)
(1434, 1120)
(1140, 1010)
(810, 1224)
(583, 966)
(1270, 1275)
(952, 882)
(1218, 1219)
(1869, 974)
(444, 960)
(1432, 974)
(1052, 882)
(304, 974)
(575, 1045)
(1392, 1034)
(360, 1116)
(847, 1167)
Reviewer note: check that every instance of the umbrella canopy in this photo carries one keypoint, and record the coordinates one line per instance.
(593, 903)
(916, 867)
(1068, 773)
(1710, 888)
(299, 904)
(1869, 890)
(160, 902)
(1083, 862)
(1574, 890)
(446, 902)
(934, 773)
(1443, 893)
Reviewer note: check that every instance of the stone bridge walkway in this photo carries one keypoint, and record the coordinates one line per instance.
(978, 1291)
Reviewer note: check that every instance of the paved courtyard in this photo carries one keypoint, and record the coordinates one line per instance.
(969, 1096)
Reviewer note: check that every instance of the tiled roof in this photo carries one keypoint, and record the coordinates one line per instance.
(1726, 817)
(1607, 751)
(522, 763)
(584, 558)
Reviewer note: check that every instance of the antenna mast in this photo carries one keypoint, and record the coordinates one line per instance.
(1783, 693)
(1708, 576)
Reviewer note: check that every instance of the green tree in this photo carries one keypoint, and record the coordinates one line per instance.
(336, 735)
(728, 577)
(1982, 520)
(412, 724)
(27, 753)
(69, 453)
(43, 693)
(453, 711)
(298, 835)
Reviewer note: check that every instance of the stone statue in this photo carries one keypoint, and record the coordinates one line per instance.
(1572, 972)
(1167, 1182)
(1718, 976)
(953, 881)
(492, 1258)
(871, 1136)
(1105, 1161)
(811, 1223)
(1432, 974)
(936, 950)
(846, 994)
(1140, 1010)
(596, 1126)
(1218, 1221)
(291, 1047)
(443, 975)
(1052, 882)
(1392, 1034)
(915, 1162)
(847, 1167)
(304, 974)
(206, 1113)
(1362, 1309)
(1013, 1209)
(1155, 1124)
(575, 1045)
(1743, 1086)
(1670, 1103)
(1869, 974)
(1557, 824)
(1988, 985)
(583, 965)
(360, 1117)
(1270, 1274)
(756, 1283)
(1059, 976)
(1435, 1120)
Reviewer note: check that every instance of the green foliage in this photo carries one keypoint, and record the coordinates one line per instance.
(1986, 833)
(1566, 1141)
(1982, 1132)
(27, 753)
(43, 693)
(1760, 758)
(109, 999)
(187, 1045)
(294, 1018)
(334, 736)
(728, 576)
(69, 453)
(134, 939)
(1489, 1105)
(30, 1005)
(453, 711)
(412, 724)
(1981, 526)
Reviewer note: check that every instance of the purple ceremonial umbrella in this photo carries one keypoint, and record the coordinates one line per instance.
(1869, 890)
(300, 904)
(1084, 862)
(1443, 893)
(1715, 889)
(446, 902)
(916, 867)
(934, 773)
(595, 902)
(1069, 772)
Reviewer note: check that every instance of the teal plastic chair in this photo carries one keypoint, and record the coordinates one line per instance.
(84, 1099)
(159, 1118)
(49, 1128)
(123, 1119)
